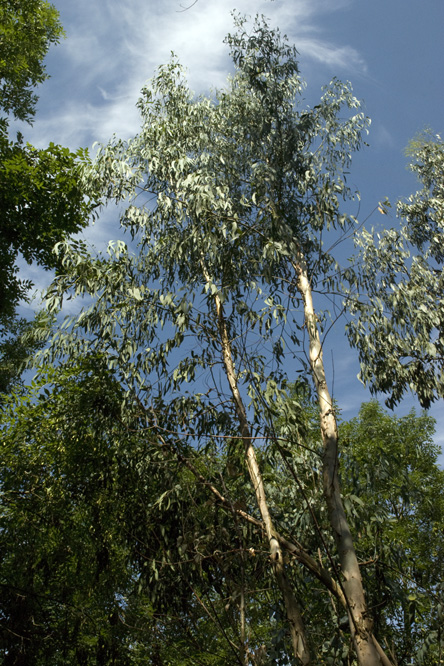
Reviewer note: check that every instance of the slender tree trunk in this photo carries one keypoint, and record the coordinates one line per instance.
(297, 629)
(360, 621)
(243, 635)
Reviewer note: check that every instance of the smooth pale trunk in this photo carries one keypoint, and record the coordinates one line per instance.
(360, 621)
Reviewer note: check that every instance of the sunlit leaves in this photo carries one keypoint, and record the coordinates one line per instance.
(226, 197)
(27, 29)
(398, 322)
(238, 183)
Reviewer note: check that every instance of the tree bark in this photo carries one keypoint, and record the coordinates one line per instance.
(294, 617)
(360, 621)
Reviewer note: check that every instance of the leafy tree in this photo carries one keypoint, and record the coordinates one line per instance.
(395, 495)
(62, 569)
(398, 321)
(27, 29)
(41, 195)
(204, 328)
(42, 199)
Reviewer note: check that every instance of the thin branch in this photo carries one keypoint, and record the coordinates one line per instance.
(217, 622)
(185, 9)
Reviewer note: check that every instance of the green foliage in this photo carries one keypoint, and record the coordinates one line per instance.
(226, 195)
(393, 493)
(63, 569)
(20, 339)
(42, 200)
(27, 29)
(424, 211)
(396, 502)
(128, 559)
(398, 321)
(223, 194)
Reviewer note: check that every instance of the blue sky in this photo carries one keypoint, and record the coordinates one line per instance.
(391, 50)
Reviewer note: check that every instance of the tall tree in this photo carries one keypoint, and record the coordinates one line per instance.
(398, 317)
(205, 326)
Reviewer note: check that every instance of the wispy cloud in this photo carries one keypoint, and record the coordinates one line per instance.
(112, 49)
(343, 58)
(382, 137)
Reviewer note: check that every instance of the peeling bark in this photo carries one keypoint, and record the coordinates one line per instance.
(360, 621)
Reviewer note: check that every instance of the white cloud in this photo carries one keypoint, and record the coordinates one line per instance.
(335, 57)
(113, 47)
(382, 137)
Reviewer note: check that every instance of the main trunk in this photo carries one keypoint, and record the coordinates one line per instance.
(360, 622)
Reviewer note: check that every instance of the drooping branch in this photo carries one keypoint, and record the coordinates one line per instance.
(295, 549)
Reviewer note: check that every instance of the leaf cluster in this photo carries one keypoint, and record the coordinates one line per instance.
(43, 200)
(397, 320)
(27, 29)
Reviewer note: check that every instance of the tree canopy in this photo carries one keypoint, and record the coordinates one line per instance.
(228, 197)
(398, 316)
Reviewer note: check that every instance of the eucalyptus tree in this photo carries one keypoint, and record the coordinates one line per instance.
(398, 317)
(228, 197)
